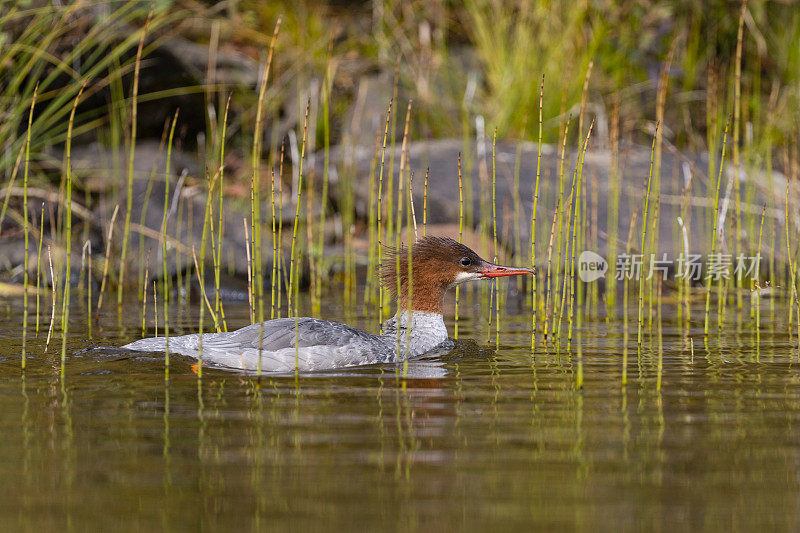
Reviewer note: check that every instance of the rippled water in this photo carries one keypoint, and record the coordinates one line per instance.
(472, 439)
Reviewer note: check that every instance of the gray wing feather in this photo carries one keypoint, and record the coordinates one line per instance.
(280, 333)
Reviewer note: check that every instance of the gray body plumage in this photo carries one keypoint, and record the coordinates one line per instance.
(320, 344)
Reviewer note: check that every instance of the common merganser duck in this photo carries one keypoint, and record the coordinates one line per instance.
(438, 263)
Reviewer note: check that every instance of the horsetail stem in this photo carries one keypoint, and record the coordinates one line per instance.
(26, 229)
(379, 221)
(131, 154)
(460, 235)
(644, 233)
(68, 235)
(716, 220)
(533, 219)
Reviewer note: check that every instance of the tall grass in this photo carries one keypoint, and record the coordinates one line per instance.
(34, 53)
(515, 46)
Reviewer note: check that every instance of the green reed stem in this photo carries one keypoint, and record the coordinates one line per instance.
(293, 274)
(107, 261)
(379, 216)
(26, 228)
(314, 258)
(645, 212)
(737, 99)
(253, 296)
(584, 96)
(413, 213)
(326, 142)
(293, 267)
(575, 225)
(208, 218)
(372, 225)
(398, 241)
(579, 365)
(397, 244)
(625, 296)
(274, 286)
(793, 290)
(716, 221)
(68, 235)
(155, 307)
(144, 296)
(660, 371)
(425, 203)
(249, 271)
(255, 207)
(534, 283)
(389, 189)
(460, 232)
(613, 207)
(38, 266)
(279, 271)
(756, 289)
(401, 176)
(142, 286)
(218, 258)
(661, 96)
(410, 266)
(515, 200)
(165, 295)
(566, 279)
(549, 276)
(562, 156)
(53, 284)
(88, 246)
(494, 241)
(131, 155)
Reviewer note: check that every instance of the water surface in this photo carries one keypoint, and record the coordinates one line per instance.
(472, 439)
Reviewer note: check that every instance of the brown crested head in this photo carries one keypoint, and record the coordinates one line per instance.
(437, 263)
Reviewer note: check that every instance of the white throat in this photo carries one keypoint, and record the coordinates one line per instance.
(420, 331)
(463, 277)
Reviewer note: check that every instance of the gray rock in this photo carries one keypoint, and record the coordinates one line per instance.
(441, 157)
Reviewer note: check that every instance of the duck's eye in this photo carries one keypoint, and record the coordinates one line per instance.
(466, 261)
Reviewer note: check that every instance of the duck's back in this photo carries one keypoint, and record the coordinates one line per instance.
(285, 344)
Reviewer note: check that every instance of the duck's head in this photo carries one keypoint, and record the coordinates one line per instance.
(437, 264)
